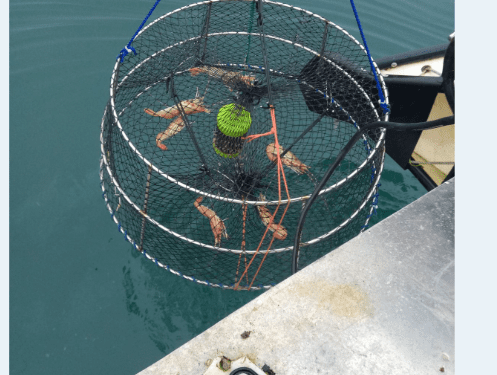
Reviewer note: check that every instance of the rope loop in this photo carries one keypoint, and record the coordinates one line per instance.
(384, 106)
(125, 51)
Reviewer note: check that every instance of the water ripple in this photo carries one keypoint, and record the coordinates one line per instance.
(70, 22)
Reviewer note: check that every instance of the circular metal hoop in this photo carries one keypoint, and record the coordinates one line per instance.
(124, 121)
(115, 86)
(233, 251)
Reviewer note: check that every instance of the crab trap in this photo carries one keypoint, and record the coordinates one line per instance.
(219, 126)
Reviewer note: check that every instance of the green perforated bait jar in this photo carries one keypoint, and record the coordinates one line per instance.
(233, 122)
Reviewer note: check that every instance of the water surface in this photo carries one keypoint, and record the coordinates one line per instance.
(82, 301)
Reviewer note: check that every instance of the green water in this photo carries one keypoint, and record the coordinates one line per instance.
(82, 301)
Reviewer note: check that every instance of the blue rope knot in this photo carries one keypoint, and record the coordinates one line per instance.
(375, 199)
(373, 173)
(384, 106)
(127, 49)
(366, 147)
(124, 52)
(374, 203)
(375, 206)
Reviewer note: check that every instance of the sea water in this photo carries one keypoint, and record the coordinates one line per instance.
(82, 300)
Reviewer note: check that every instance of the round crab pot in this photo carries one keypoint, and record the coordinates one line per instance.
(220, 210)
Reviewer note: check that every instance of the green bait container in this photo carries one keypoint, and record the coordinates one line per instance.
(233, 122)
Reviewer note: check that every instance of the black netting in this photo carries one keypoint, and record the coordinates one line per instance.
(177, 169)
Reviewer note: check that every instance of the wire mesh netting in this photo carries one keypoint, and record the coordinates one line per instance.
(184, 174)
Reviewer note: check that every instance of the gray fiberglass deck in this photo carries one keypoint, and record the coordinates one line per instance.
(383, 303)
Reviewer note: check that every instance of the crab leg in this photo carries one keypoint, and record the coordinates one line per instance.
(280, 232)
(227, 77)
(174, 128)
(289, 159)
(190, 107)
(217, 225)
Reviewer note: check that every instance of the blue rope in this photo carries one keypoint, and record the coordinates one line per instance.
(383, 103)
(127, 49)
(374, 204)
(373, 172)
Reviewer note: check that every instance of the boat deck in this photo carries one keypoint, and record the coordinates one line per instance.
(383, 303)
